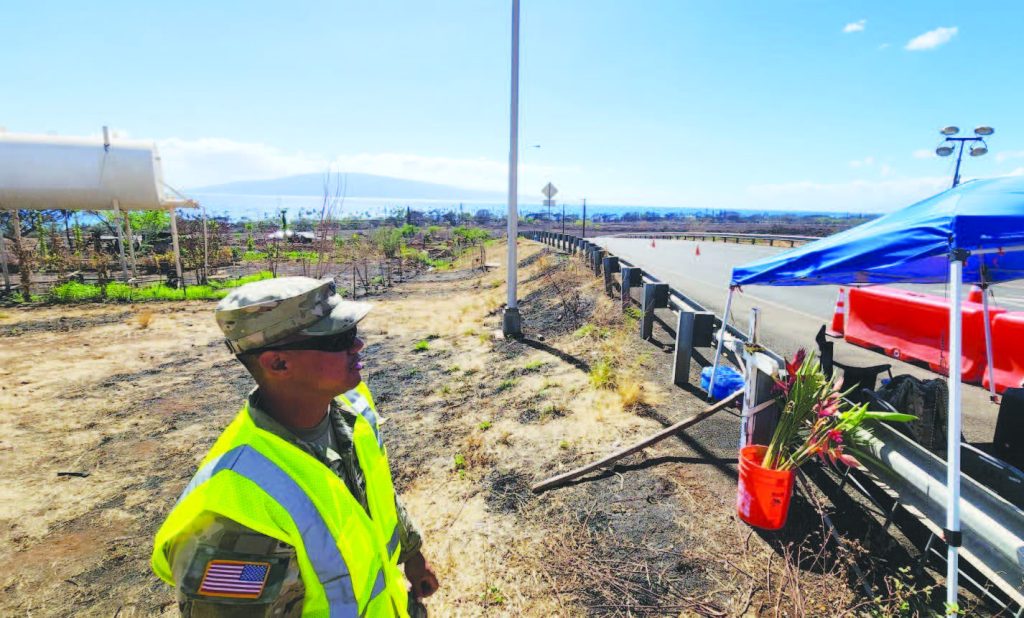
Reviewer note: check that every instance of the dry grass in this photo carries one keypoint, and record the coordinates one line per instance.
(144, 318)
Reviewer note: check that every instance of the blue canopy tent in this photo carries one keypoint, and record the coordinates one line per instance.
(973, 233)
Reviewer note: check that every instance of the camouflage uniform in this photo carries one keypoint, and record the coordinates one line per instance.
(222, 538)
(254, 316)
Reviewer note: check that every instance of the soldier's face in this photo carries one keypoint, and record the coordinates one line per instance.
(331, 373)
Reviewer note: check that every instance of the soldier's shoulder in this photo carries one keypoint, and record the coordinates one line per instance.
(223, 568)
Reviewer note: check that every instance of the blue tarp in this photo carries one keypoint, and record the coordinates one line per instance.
(912, 245)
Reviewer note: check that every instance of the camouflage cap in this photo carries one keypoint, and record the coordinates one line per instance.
(261, 313)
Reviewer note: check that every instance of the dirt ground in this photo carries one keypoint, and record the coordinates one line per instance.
(107, 409)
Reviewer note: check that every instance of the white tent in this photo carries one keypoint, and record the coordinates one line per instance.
(85, 173)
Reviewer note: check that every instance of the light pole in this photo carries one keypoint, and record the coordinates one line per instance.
(584, 233)
(977, 150)
(511, 324)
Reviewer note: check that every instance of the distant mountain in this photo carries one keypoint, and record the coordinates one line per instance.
(356, 185)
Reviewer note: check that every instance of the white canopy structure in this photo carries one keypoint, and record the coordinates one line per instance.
(85, 173)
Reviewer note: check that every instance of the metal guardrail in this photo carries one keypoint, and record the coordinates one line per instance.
(914, 478)
(723, 236)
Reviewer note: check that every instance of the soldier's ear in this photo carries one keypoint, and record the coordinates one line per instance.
(273, 362)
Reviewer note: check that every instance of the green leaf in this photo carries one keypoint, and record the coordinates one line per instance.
(893, 417)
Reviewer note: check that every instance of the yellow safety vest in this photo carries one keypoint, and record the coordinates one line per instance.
(273, 487)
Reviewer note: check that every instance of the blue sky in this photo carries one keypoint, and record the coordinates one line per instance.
(718, 104)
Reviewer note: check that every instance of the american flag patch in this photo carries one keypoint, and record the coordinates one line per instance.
(235, 579)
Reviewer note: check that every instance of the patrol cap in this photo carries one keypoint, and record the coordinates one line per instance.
(259, 314)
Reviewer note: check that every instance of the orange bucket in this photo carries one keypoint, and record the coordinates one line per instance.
(763, 495)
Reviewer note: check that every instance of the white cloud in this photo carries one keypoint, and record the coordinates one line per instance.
(883, 46)
(207, 161)
(865, 162)
(855, 196)
(857, 26)
(213, 160)
(932, 39)
(1006, 155)
(924, 153)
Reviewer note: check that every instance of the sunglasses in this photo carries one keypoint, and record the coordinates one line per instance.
(327, 343)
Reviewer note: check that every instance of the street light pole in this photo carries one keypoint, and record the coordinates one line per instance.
(584, 233)
(976, 151)
(511, 324)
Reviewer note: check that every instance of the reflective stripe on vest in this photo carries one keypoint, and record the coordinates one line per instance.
(362, 406)
(393, 544)
(321, 547)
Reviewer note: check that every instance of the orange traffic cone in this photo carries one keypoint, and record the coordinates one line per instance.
(839, 316)
(976, 295)
(697, 252)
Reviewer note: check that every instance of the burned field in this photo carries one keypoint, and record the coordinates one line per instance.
(131, 403)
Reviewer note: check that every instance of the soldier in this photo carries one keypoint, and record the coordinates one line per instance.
(292, 512)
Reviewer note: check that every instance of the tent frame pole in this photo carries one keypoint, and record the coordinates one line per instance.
(988, 341)
(118, 224)
(131, 243)
(206, 251)
(3, 263)
(954, 423)
(721, 341)
(174, 244)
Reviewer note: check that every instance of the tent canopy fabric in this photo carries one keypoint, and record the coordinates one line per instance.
(985, 218)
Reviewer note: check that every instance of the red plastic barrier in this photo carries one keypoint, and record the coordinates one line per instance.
(912, 326)
(1007, 351)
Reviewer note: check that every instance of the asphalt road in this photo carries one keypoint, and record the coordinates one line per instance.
(790, 316)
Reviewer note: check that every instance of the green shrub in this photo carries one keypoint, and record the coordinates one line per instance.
(602, 374)
(74, 292)
(534, 365)
(470, 234)
(421, 346)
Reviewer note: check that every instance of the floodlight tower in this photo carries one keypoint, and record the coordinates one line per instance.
(978, 149)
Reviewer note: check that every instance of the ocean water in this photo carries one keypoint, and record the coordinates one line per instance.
(258, 207)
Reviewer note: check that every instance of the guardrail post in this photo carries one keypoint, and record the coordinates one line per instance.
(655, 297)
(598, 260)
(693, 329)
(631, 276)
(611, 266)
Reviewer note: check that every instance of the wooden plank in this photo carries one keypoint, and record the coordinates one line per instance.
(617, 455)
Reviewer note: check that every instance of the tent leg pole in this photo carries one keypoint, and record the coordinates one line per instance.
(953, 437)
(721, 342)
(749, 381)
(120, 239)
(174, 244)
(24, 261)
(3, 263)
(206, 257)
(131, 244)
(988, 342)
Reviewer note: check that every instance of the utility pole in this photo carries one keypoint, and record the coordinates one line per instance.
(563, 217)
(511, 324)
(584, 218)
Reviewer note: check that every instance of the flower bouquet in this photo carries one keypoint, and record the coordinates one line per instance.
(816, 419)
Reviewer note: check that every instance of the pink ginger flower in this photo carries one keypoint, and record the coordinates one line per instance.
(827, 408)
(836, 436)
